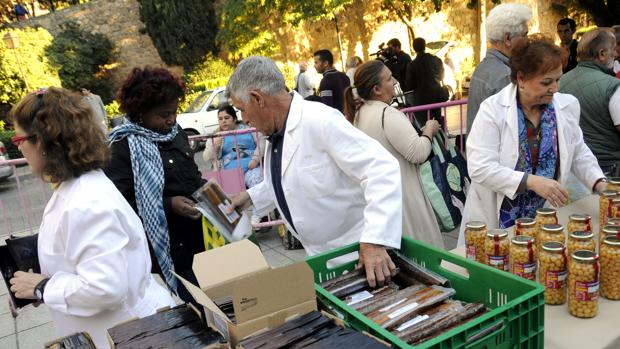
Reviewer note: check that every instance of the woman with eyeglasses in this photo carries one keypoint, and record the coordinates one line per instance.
(153, 167)
(92, 250)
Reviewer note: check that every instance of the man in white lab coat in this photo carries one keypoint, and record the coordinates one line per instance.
(333, 184)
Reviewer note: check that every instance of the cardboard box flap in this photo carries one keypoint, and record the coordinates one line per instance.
(227, 263)
(200, 296)
(272, 290)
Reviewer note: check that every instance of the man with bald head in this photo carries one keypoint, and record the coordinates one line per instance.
(303, 83)
(598, 90)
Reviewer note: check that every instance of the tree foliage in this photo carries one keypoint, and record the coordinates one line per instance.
(183, 31)
(605, 13)
(245, 24)
(80, 57)
(29, 55)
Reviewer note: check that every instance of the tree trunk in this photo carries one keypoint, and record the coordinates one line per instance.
(482, 31)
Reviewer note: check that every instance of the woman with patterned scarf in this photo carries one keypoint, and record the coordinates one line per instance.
(153, 167)
(525, 141)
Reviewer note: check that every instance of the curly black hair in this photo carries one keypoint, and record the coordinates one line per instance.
(148, 88)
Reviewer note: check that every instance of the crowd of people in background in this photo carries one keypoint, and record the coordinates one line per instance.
(341, 163)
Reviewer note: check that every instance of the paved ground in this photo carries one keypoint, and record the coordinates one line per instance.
(33, 327)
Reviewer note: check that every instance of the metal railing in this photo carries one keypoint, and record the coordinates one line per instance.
(448, 110)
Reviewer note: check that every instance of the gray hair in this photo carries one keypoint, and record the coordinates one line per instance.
(255, 73)
(507, 19)
(616, 29)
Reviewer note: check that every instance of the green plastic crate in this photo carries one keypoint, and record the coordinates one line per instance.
(516, 318)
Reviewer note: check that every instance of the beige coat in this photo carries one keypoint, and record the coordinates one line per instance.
(411, 150)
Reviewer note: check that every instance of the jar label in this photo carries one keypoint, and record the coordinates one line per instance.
(499, 262)
(586, 291)
(525, 270)
(471, 252)
(556, 279)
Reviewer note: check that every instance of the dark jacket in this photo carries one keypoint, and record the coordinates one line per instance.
(181, 178)
(398, 67)
(332, 88)
(424, 76)
(572, 57)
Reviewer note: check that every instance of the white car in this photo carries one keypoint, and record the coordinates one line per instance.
(5, 171)
(200, 118)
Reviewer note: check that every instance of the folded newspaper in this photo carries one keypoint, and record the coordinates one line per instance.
(213, 203)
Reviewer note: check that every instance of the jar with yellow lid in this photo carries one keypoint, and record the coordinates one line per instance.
(475, 234)
(523, 257)
(580, 240)
(610, 268)
(604, 201)
(610, 230)
(496, 248)
(579, 222)
(551, 232)
(552, 272)
(583, 284)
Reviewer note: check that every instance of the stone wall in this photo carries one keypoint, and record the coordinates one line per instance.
(365, 24)
(362, 25)
(119, 20)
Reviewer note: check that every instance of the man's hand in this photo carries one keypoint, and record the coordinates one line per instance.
(23, 284)
(548, 189)
(378, 264)
(185, 207)
(241, 201)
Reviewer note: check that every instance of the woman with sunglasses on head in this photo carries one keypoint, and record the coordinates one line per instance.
(93, 253)
(153, 167)
(370, 112)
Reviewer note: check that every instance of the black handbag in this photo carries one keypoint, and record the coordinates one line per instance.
(19, 254)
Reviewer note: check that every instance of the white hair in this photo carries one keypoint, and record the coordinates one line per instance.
(255, 73)
(507, 19)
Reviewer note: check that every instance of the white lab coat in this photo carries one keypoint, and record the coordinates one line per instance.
(340, 185)
(493, 150)
(93, 248)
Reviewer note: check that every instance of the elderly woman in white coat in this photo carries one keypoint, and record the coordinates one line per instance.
(373, 115)
(93, 253)
(525, 141)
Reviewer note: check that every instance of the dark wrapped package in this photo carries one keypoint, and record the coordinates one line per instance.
(19, 254)
(178, 327)
(310, 331)
(80, 340)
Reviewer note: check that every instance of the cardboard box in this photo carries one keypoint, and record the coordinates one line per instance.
(263, 297)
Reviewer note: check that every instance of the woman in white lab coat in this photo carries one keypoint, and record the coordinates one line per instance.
(524, 142)
(93, 254)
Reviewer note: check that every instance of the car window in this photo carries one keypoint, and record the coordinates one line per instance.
(218, 101)
(197, 104)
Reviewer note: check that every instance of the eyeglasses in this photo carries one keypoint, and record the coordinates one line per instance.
(18, 140)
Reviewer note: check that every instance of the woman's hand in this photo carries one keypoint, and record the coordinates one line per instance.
(217, 142)
(23, 284)
(431, 128)
(253, 164)
(548, 189)
(185, 207)
(600, 187)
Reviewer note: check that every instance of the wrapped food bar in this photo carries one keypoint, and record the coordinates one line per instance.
(178, 327)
